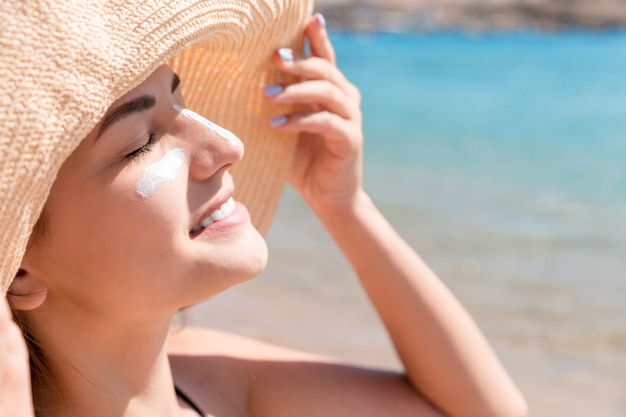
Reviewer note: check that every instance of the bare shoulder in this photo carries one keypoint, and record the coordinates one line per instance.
(219, 371)
(232, 375)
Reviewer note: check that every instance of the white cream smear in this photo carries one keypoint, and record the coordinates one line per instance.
(160, 172)
(192, 115)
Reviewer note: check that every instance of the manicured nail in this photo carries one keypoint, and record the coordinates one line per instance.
(278, 121)
(272, 90)
(286, 54)
(321, 19)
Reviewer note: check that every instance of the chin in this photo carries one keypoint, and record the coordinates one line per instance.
(237, 264)
(254, 257)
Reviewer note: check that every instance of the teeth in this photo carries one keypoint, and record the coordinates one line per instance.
(224, 210)
(207, 222)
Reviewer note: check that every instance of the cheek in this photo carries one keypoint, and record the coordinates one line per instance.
(115, 231)
(133, 230)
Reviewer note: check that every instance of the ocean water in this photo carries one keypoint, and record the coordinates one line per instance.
(501, 160)
(512, 120)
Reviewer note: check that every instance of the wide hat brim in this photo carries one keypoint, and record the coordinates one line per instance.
(64, 63)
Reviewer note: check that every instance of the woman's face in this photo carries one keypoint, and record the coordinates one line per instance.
(122, 237)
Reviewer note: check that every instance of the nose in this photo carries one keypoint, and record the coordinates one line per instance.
(209, 146)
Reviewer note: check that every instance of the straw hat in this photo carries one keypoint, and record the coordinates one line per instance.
(63, 63)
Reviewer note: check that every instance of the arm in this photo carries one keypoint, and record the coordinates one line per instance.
(447, 360)
(445, 356)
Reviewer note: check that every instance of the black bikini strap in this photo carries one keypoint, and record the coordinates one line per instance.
(186, 399)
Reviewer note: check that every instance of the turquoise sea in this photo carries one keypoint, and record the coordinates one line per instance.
(502, 159)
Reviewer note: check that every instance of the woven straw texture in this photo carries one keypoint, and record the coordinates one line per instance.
(64, 62)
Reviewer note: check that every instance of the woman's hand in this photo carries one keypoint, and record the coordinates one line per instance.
(327, 168)
(15, 391)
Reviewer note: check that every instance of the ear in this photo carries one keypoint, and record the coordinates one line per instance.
(27, 291)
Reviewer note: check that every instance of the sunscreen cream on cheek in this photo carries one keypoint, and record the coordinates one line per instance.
(160, 172)
(192, 115)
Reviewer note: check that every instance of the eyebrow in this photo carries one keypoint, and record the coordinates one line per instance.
(129, 108)
(136, 105)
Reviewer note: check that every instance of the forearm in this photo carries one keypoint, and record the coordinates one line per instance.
(446, 357)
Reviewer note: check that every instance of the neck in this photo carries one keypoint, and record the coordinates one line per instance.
(105, 366)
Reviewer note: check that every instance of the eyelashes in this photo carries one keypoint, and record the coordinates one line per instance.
(144, 149)
(152, 137)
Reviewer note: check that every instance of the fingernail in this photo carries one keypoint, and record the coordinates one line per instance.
(278, 121)
(286, 54)
(272, 90)
(321, 19)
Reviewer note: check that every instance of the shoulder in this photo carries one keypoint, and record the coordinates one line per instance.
(220, 371)
(237, 376)
(211, 355)
(207, 354)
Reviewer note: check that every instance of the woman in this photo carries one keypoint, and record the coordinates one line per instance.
(140, 219)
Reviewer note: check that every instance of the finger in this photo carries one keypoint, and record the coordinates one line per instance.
(314, 93)
(312, 68)
(319, 41)
(338, 132)
(15, 390)
(4, 331)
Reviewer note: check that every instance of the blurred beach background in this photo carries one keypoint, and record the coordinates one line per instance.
(500, 156)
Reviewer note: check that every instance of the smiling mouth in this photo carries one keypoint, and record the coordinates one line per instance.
(222, 212)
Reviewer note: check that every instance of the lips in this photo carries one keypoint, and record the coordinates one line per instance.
(223, 211)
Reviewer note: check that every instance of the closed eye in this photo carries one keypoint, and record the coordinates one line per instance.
(144, 149)
(152, 136)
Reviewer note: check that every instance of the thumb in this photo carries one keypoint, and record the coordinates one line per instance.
(15, 389)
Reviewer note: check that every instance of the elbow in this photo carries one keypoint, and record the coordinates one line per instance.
(506, 404)
(513, 407)
(522, 409)
(510, 405)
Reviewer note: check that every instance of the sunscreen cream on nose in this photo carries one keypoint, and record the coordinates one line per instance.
(160, 172)
(192, 115)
